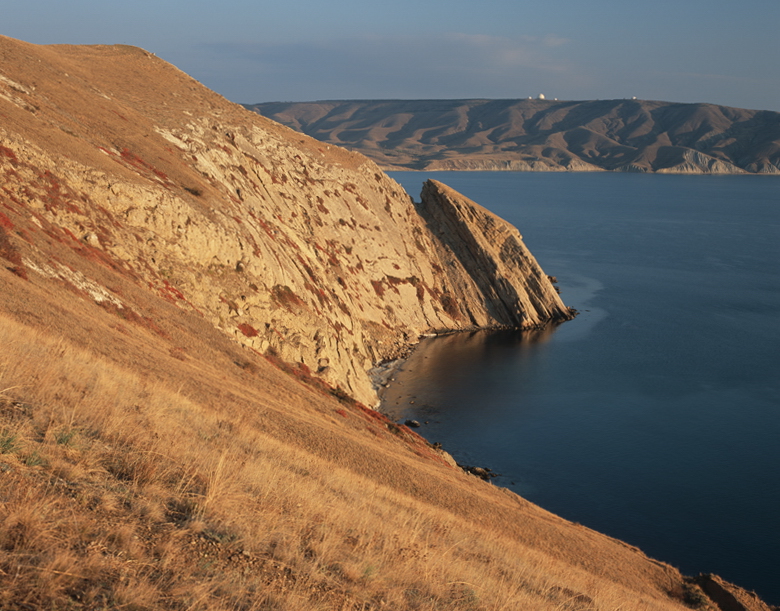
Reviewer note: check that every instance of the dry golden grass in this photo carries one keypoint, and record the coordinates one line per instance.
(120, 492)
(149, 462)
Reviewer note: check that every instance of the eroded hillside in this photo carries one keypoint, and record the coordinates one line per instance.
(544, 135)
(292, 247)
(148, 461)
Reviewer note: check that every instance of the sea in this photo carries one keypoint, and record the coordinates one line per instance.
(654, 415)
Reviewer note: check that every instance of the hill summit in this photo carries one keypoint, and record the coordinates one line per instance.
(543, 135)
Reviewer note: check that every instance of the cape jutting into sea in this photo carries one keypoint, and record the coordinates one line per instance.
(654, 416)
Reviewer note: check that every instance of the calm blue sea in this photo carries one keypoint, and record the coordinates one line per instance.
(654, 416)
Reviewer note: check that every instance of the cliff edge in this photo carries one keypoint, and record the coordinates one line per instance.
(485, 257)
(298, 250)
(148, 461)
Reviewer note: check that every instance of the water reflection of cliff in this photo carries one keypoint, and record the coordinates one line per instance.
(439, 365)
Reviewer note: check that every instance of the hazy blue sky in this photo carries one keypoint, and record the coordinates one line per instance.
(719, 51)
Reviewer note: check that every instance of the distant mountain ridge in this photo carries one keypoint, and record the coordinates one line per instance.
(543, 135)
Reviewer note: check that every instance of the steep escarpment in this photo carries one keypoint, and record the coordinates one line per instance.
(298, 250)
(544, 135)
(479, 247)
(148, 461)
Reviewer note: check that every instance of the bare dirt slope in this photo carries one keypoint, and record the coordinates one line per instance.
(543, 135)
(148, 460)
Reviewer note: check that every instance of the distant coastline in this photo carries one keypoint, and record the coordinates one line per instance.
(537, 135)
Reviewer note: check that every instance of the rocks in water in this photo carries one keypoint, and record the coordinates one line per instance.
(484, 473)
(412, 424)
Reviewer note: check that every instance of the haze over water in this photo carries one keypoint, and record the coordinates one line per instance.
(654, 416)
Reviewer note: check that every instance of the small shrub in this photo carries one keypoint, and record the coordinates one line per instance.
(369, 571)
(341, 395)
(10, 252)
(35, 460)
(7, 442)
(64, 437)
(694, 596)
(395, 429)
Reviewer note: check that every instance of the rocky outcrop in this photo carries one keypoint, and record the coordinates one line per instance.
(544, 135)
(485, 259)
(729, 597)
(300, 251)
(694, 162)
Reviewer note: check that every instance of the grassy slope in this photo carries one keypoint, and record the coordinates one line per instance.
(166, 467)
(147, 462)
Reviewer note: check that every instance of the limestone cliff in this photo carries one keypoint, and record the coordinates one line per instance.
(485, 257)
(111, 157)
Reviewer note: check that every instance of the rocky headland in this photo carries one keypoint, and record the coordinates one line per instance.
(537, 135)
(292, 247)
(191, 300)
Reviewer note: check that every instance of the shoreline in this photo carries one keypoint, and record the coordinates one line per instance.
(381, 374)
(484, 471)
(391, 169)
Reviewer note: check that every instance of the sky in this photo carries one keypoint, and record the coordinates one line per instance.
(718, 51)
